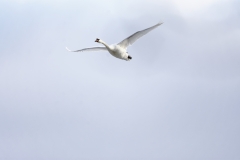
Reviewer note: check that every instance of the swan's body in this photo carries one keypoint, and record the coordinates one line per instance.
(119, 50)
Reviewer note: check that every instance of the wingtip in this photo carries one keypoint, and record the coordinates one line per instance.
(68, 49)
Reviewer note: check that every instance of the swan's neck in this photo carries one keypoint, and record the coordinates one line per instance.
(104, 43)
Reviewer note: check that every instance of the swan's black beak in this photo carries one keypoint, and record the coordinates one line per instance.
(129, 57)
(97, 40)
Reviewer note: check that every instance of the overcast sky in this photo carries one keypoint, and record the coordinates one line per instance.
(178, 98)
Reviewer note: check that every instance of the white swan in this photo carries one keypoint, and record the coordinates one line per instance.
(119, 50)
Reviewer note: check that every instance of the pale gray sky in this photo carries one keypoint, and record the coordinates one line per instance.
(177, 99)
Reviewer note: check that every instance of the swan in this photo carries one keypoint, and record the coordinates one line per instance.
(119, 50)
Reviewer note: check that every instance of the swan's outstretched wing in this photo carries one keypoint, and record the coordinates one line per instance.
(89, 49)
(131, 39)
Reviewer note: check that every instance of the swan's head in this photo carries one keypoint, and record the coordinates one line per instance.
(97, 40)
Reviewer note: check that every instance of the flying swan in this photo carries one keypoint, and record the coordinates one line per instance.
(119, 50)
